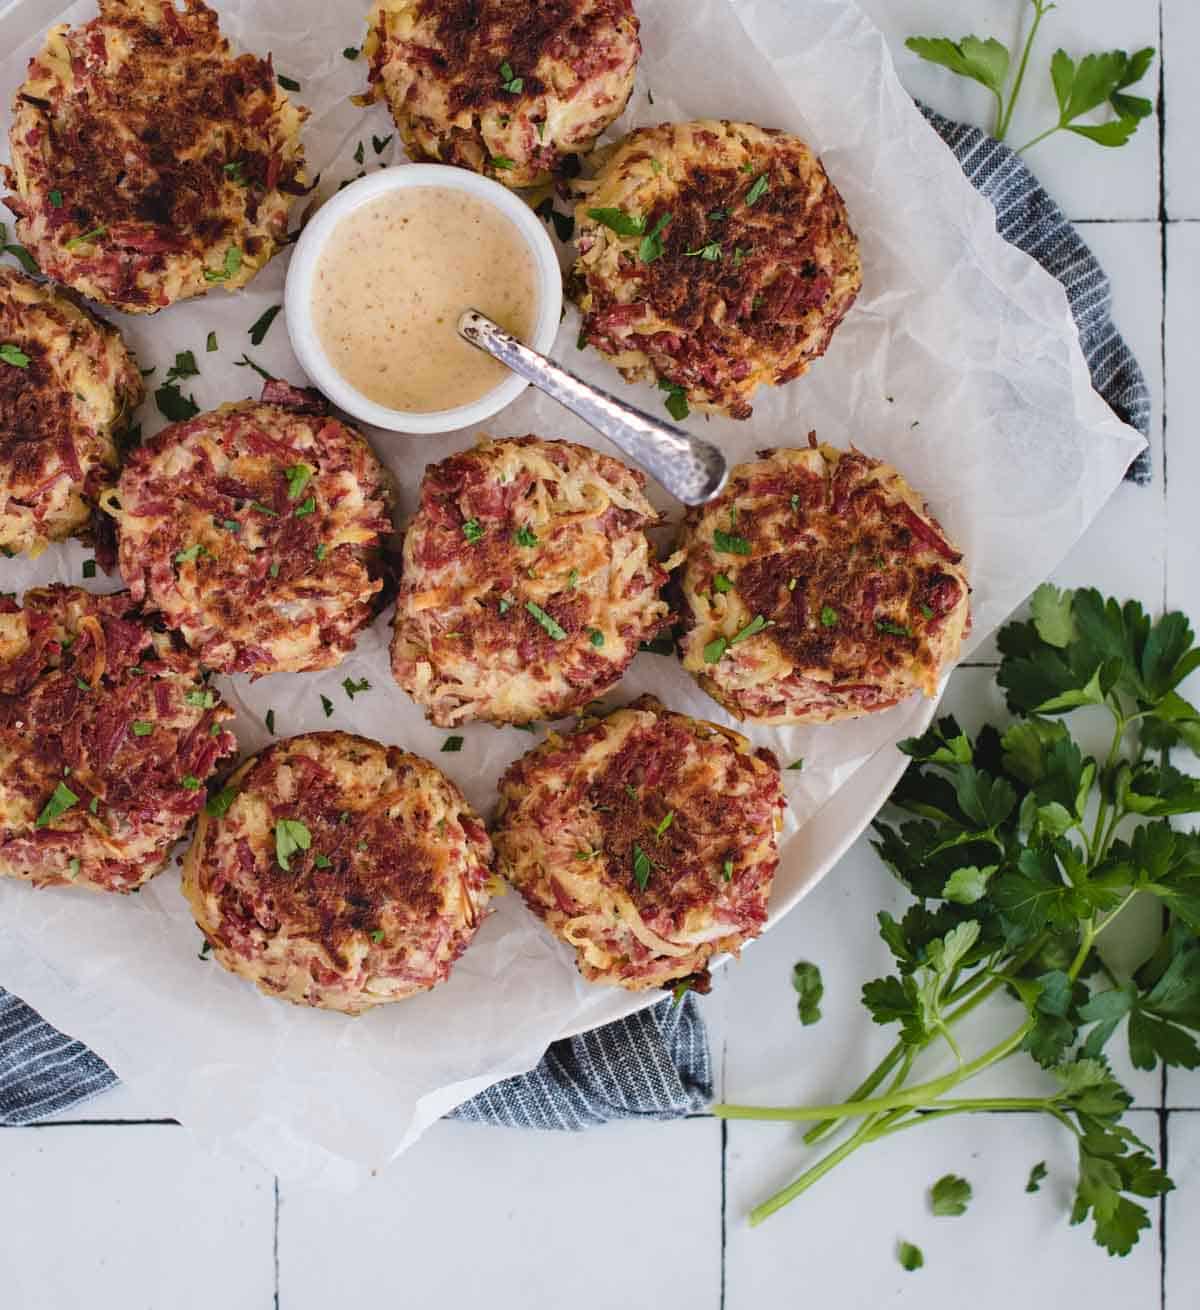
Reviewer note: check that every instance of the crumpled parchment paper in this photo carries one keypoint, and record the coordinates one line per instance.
(959, 363)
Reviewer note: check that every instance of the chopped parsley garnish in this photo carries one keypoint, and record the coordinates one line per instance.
(509, 80)
(377, 936)
(204, 699)
(452, 745)
(230, 525)
(623, 224)
(321, 551)
(190, 555)
(218, 806)
(85, 238)
(730, 544)
(210, 343)
(10, 354)
(795, 502)
(189, 782)
(61, 800)
(505, 605)
(752, 629)
(73, 866)
(727, 870)
(141, 728)
(502, 162)
(359, 153)
(353, 688)
(290, 836)
(56, 199)
(665, 824)
(893, 629)
(717, 215)
(234, 171)
(351, 52)
(83, 685)
(185, 366)
(322, 861)
(270, 721)
(795, 766)
(721, 583)
(89, 568)
(173, 405)
(262, 325)
(676, 402)
(231, 268)
(22, 256)
(651, 247)
(926, 612)
(473, 531)
(548, 621)
(596, 637)
(762, 184)
(739, 254)
(247, 362)
(94, 805)
(274, 569)
(715, 650)
(380, 143)
(297, 479)
(573, 579)
(327, 706)
(305, 507)
(525, 537)
(642, 866)
(710, 252)
(829, 617)
(288, 83)
(948, 1197)
(1036, 1175)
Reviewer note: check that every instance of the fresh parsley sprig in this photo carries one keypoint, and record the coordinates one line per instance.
(1079, 88)
(1021, 852)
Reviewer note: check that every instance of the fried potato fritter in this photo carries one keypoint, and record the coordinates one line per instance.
(714, 258)
(503, 87)
(818, 587)
(68, 389)
(108, 735)
(256, 531)
(646, 840)
(149, 163)
(342, 873)
(528, 582)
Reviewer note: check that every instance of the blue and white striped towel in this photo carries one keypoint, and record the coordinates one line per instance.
(656, 1064)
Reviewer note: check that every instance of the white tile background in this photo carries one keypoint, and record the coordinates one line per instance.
(114, 1210)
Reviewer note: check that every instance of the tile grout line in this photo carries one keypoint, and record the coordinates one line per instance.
(1163, 230)
(275, 1243)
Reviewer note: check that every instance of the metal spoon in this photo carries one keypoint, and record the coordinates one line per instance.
(691, 469)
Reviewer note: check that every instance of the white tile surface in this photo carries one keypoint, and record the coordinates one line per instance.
(628, 1215)
(836, 1244)
(1183, 1213)
(1181, 37)
(1088, 181)
(130, 1217)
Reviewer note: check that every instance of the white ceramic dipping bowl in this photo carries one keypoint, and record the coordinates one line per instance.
(299, 293)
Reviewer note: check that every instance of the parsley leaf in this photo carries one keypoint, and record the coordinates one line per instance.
(262, 325)
(230, 269)
(642, 866)
(651, 247)
(910, 1257)
(452, 745)
(13, 355)
(949, 1196)
(291, 837)
(173, 405)
(61, 800)
(219, 804)
(473, 531)
(352, 688)
(623, 224)
(806, 980)
(676, 402)
(547, 621)
(1036, 1176)
(730, 544)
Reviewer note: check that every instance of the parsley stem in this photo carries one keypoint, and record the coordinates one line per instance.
(1005, 116)
(1050, 131)
(921, 1094)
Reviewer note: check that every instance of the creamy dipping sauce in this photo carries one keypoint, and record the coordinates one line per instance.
(392, 282)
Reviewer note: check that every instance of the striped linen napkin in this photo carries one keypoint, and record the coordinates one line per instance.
(656, 1064)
